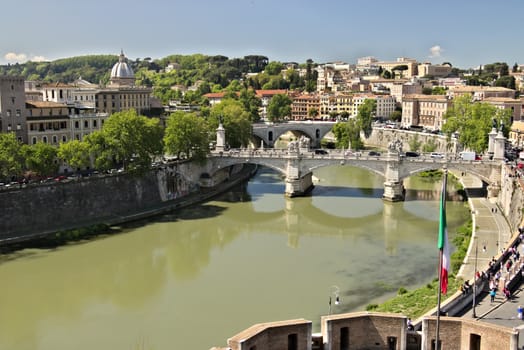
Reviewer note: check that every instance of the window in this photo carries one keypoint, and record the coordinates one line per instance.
(94, 123)
(344, 338)
(392, 343)
(8, 127)
(64, 138)
(44, 139)
(55, 139)
(77, 125)
(33, 140)
(292, 342)
(474, 342)
(8, 113)
(86, 124)
(18, 126)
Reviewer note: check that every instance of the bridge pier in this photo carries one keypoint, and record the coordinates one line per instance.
(394, 191)
(393, 186)
(296, 187)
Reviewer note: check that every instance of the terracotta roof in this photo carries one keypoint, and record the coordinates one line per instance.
(270, 92)
(44, 104)
(215, 95)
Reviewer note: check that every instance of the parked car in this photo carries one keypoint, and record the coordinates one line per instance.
(412, 154)
(321, 151)
(436, 155)
(374, 154)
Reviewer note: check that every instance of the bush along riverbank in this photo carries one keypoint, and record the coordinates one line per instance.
(416, 303)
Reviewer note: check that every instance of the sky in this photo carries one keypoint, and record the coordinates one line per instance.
(466, 33)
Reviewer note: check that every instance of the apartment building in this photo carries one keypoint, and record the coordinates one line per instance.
(401, 89)
(336, 103)
(515, 105)
(434, 70)
(302, 104)
(412, 66)
(479, 93)
(12, 106)
(265, 96)
(424, 110)
(48, 122)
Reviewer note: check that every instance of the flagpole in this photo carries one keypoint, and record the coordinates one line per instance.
(441, 252)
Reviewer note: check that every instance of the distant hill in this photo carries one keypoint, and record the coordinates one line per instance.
(96, 68)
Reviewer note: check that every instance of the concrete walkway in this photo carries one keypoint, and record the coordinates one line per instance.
(491, 235)
(491, 231)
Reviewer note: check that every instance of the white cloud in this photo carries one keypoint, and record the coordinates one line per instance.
(39, 59)
(15, 57)
(435, 51)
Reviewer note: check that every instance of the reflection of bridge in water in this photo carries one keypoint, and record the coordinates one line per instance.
(300, 217)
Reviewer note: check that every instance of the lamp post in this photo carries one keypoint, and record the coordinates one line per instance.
(475, 278)
(335, 290)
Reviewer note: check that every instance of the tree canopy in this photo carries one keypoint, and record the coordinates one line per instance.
(279, 107)
(186, 134)
(473, 121)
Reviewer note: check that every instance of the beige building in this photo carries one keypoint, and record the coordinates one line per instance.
(302, 104)
(400, 90)
(516, 133)
(121, 93)
(411, 64)
(515, 105)
(424, 110)
(12, 106)
(48, 122)
(433, 70)
(479, 93)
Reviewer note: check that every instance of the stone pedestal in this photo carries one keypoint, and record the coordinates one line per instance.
(498, 151)
(296, 187)
(221, 138)
(394, 191)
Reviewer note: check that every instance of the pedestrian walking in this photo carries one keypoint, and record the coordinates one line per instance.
(520, 311)
(492, 295)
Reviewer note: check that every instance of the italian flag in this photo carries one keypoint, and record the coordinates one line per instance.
(443, 244)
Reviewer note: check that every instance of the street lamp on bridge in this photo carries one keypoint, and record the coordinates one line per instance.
(334, 291)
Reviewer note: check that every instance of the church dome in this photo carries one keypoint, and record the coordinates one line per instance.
(121, 69)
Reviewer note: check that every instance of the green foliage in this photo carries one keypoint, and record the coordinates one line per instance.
(186, 134)
(75, 153)
(354, 134)
(414, 143)
(429, 146)
(93, 68)
(279, 107)
(236, 121)
(365, 114)
(371, 307)
(129, 140)
(341, 132)
(438, 90)
(402, 291)
(11, 158)
(40, 158)
(473, 122)
(506, 81)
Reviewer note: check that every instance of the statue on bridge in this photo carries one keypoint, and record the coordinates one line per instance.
(292, 146)
(304, 142)
(395, 146)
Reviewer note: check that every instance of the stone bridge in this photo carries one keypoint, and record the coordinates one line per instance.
(269, 133)
(298, 166)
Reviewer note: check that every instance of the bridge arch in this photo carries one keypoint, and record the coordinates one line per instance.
(315, 131)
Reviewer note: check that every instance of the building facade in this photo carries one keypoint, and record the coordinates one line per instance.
(12, 107)
(424, 110)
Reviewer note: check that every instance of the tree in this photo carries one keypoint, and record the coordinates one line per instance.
(354, 134)
(515, 68)
(312, 113)
(311, 76)
(41, 158)
(186, 134)
(506, 81)
(414, 143)
(75, 153)
(429, 146)
(365, 115)
(279, 107)
(251, 104)
(235, 119)
(11, 159)
(274, 68)
(341, 132)
(132, 140)
(473, 121)
(400, 68)
(386, 74)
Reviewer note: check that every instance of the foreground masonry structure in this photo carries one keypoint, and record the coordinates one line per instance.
(372, 330)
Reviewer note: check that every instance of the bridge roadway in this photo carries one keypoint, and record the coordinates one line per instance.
(297, 164)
